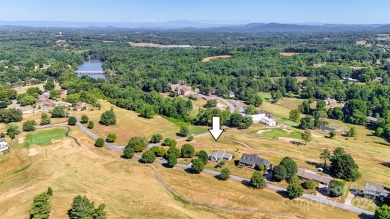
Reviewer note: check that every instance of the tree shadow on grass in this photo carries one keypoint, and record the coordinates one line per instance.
(317, 165)
(386, 164)
(365, 216)
(382, 143)
(189, 170)
(284, 194)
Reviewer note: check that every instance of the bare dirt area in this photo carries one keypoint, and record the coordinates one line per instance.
(153, 45)
(32, 152)
(288, 53)
(207, 59)
(363, 43)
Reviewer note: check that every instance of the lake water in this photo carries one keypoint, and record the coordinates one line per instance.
(91, 66)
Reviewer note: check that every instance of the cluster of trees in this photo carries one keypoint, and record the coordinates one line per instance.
(82, 207)
(10, 115)
(41, 206)
(108, 118)
(342, 164)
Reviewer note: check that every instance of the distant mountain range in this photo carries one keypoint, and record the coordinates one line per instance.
(198, 26)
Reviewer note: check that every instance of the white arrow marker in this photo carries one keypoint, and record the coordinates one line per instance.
(216, 131)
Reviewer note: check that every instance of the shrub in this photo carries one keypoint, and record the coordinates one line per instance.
(203, 156)
(108, 118)
(184, 131)
(99, 142)
(84, 119)
(128, 152)
(280, 173)
(72, 121)
(336, 188)
(197, 166)
(187, 151)
(294, 190)
(156, 138)
(91, 125)
(258, 180)
(29, 125)
(148, 157)
(171, 160)
(111, 138)
(310, 184)
(225, 174)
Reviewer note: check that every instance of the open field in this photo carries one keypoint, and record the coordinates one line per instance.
(207, 59)
(288, 53)
(281, 109)
(134, 192)
(129, 124)
(154, 45)
(206, 189)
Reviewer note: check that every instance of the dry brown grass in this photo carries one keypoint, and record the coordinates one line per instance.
(129, 124)
(153, 45)
(128, 188)
(206, 189)
(288, 53)
(207, 59)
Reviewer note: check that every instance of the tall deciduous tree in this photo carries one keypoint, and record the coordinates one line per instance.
(258, 180)
(325, 155)
(306, 136)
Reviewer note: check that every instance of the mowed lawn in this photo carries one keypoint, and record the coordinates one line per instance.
(129, 124)
(44, 137)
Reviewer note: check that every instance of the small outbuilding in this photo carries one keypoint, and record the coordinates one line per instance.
(3, 146)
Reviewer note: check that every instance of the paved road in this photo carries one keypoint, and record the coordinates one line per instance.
(226, 102)
(119, 149)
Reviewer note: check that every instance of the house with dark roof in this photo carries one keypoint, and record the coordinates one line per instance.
(252, 160)
(218, 156)
(374, 190)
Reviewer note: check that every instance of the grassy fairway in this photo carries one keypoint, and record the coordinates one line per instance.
(44, 137)
(278, 132)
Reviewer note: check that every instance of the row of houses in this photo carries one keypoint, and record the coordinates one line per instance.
(247, 160)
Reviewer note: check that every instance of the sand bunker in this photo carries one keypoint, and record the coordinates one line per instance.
(55, 141)
(207, 59)
(32, 152)
(262, 131)
(21, 140)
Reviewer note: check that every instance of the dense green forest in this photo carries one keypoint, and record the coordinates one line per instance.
(137, 76)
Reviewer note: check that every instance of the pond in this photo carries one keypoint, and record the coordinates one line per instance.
(92, 68)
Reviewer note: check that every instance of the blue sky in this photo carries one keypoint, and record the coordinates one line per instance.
(222, 11)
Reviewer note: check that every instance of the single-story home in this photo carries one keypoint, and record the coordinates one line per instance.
(3, 145)
(264, 118)
(308, 174)
(329, 101)
(374, 190)
(252, 160)
(185, 91)
(217, 156)
(80, 105)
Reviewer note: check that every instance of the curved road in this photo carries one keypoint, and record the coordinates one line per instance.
(119, 149)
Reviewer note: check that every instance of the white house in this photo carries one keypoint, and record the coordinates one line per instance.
(3, 146)
(264, 119)
(217, 156)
